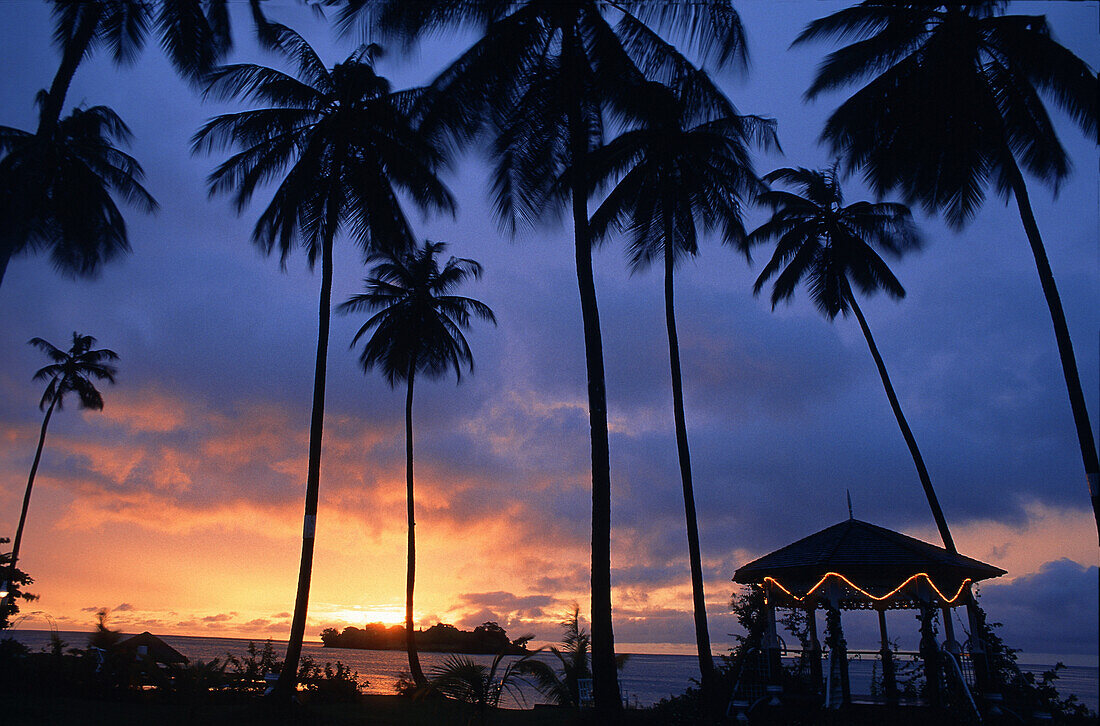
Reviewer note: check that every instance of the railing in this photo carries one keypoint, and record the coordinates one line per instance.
(957, 683)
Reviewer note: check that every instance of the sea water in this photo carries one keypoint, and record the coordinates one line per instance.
(645, 679)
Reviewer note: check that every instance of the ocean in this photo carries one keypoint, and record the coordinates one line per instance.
(645, 679)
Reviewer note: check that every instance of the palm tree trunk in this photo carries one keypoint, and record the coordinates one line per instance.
(288, 677)
(5, 257)
(699, 603)
(71, 55)
(906, 432)
(30, 485)
(605, 675)
(410, 580)
(1061, 335)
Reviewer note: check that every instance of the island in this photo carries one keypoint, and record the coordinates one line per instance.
(486, 639)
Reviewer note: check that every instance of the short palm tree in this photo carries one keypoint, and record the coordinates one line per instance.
(467, 681)
(57, 191)
(72, 371)
(417, 328)
(685, 167)
(344, 144)
(540, 80)
(829, 246)
(954, 102)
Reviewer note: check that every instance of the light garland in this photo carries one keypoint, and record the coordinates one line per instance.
(887, 596)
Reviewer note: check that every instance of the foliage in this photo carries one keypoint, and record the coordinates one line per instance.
(58, 191)
(417, 325)
(17, 580)
(329, 682)
(462, 679)
(1024, 692)
(247, 674)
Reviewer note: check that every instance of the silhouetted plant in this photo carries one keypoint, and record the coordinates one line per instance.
(829, 246)
(72, 371)
(955, 102)
(417, 329)
(348, 146)
(58, 191)
(684, 168)
(541, 79)
(15, 582)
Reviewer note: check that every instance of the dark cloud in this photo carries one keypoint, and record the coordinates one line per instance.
(1046, 612)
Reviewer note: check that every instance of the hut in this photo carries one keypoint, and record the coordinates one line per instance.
(149, 646)
(855, 565)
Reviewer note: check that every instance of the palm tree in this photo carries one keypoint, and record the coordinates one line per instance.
(829, 246)
(71, 371)
(417, 328)
(347, 144)
(56, 191)
(954, 103)
(54, 182)
(541, 79)
(467, 681)
(195, 35)
(686, 166)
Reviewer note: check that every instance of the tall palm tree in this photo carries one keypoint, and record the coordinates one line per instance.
(43, 199)
(540, 79)
(829, 246)
(684, 167)
(194, 34)
(344, 145)
(417, 328)
(56, 191)
(955, 101)
(71, 371)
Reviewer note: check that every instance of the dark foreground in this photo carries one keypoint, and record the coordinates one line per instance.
(372, 710)
(402, 711)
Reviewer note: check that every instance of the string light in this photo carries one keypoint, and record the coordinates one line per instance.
(887, 596)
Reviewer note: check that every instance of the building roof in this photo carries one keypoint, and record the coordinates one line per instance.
(155, 648)
(875, 559)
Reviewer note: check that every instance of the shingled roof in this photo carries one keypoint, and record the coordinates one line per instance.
(874, 557)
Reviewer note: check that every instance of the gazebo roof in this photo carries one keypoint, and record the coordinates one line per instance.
(872, 559)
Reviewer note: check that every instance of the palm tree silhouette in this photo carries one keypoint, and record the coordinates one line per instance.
(417, 328)
(195, 35)
(53, 183)
(347, 144)
(685, 166)
(956, 102)
(541, 78)
(56, 191)
(72, 371)
(829, 246)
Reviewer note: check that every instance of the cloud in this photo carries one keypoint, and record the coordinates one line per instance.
(1050, 611)
(123, 608)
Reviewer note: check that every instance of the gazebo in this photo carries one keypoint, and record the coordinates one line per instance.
(856, 565)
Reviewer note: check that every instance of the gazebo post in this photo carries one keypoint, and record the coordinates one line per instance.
(929, 650)
(815, 647)
(889, 678)
(838, 648)
(949, 643)
(771, 643)
(977, 648)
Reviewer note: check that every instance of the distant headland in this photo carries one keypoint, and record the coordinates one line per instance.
(486, 639)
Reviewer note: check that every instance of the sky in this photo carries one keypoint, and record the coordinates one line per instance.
(178, 507)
